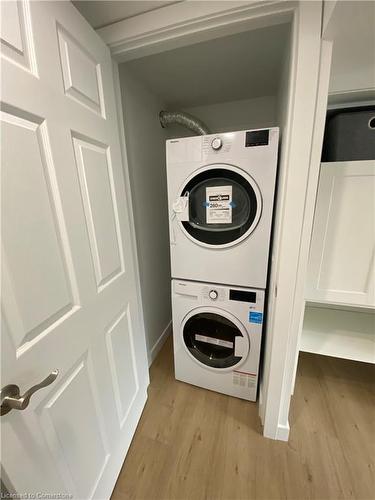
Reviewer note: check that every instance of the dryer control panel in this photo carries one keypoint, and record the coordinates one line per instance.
(252, 145)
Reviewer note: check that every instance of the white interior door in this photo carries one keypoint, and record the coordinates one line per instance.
(69, 280)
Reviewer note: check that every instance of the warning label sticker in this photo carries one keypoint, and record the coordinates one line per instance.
(244, 379)
(219, 205)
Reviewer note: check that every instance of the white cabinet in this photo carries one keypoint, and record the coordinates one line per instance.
(341, 265)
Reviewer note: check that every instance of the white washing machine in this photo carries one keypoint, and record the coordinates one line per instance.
(217, 334)
(221, 195)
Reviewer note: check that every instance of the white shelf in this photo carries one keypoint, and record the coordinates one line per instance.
(338, 333)
(339, 306)
(351, 98)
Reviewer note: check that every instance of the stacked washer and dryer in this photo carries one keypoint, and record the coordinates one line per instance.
(221, 195)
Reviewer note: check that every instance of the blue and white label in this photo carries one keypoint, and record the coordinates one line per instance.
(256, 317)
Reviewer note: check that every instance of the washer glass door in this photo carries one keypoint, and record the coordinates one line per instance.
(223, 206)
(214, 340)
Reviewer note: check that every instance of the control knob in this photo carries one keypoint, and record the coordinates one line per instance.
(213, 294)
(216, 143)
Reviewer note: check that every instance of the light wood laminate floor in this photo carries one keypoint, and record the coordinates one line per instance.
(196, 444)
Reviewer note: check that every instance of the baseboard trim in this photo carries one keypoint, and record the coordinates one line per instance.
(154, 351)
(261, 404)
(283, 432)
(278, 433)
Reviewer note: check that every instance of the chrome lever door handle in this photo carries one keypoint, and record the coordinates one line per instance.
(11, 398)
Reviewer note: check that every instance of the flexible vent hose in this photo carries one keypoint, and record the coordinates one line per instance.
(184, 119)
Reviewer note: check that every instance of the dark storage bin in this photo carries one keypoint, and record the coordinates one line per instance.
(350, 135)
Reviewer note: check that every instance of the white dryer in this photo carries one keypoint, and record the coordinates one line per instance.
(217, 334)
(221, 194)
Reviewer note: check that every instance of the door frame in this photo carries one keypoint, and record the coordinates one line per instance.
(125, 167)
(311, 193)
(182, 24)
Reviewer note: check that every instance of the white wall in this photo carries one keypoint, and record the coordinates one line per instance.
(237, 115)
(145, 141)
(230, 116)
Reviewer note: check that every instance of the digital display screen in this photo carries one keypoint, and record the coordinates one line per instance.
(257, 138)
(242, 296)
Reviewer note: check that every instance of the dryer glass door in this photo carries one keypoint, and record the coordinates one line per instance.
(223, 206)
(214, 340)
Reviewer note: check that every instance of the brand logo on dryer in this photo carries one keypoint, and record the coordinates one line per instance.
(219, 197)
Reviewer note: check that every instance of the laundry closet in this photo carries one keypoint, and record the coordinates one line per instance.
(216, 81)
(249, 75)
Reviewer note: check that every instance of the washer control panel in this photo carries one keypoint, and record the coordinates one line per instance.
(213, 294)
(217, 295)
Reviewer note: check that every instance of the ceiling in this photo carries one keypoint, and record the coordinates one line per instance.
(235, 67)
(102, 13)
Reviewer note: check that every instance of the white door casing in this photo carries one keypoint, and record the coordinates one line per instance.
(69, 287)
(312, 183)
(341, 264)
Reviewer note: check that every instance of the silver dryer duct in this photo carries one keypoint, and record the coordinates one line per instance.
(178, 117)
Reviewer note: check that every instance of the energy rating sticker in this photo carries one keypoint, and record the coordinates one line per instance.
(256, 317)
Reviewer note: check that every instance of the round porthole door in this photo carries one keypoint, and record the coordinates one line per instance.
(215, 339)
(224, 205)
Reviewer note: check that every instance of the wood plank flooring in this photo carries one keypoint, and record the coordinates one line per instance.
(194, 444)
